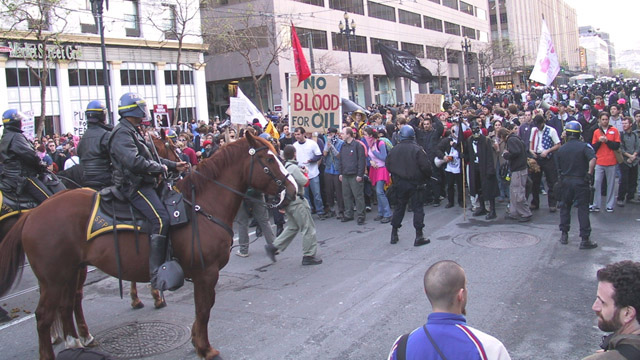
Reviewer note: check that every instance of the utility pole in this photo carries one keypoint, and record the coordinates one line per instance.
(96, 9)
(310, 41)
(349, 31)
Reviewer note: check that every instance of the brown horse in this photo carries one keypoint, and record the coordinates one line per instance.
(218, 185)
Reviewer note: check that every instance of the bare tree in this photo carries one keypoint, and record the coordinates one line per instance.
(500, 54)
(44, 21)
(326, 64)
(252, 34)
(437, 54)
(177, 21)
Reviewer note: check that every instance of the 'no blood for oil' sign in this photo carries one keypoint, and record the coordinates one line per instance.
(315, 105)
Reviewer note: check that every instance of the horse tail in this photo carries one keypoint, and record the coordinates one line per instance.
(11, 255)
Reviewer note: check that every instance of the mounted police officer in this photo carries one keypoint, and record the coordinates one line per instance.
(21, 165)
(93, 148)
(576, 163)
(410, 168)
(135, 174)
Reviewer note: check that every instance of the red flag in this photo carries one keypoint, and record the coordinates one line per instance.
(302, 68)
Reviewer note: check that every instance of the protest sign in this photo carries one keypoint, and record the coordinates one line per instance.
(239, 111)
(315, 104)
(161, 116)
(28, 125)
(428, 103)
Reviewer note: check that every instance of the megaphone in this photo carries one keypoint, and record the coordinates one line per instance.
(545, 106)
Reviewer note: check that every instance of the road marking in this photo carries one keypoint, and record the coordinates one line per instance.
(34, 288)
(28, 317)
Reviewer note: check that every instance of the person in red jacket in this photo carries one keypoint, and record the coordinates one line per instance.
(605, 141)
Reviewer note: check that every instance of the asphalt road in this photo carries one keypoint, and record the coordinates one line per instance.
(525, 288)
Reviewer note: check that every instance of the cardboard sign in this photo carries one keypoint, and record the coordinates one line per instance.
(315, 105)
(239, 110)
(79, 122)
(428, 103)
(161, 116)
(28, 125)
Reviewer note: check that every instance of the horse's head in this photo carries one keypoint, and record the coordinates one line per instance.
(267, 173)
(165, 147)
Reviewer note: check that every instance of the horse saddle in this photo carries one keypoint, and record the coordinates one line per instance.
(111, 211)
(12, 204)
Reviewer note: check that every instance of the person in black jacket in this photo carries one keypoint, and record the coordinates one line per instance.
(21, 165)
(447, 155)
(135, 173)
(93, 148)
(516, 154)
(483, 182)
(410, 168)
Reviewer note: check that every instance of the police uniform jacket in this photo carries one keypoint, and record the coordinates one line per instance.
(93, 150)
(573, 158)
(408, 161)
(17, 155)
(133, 164)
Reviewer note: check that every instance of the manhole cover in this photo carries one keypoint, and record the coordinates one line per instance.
(142, 339)
(503, 240)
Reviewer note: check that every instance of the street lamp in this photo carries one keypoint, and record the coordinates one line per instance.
(466, 47)
(96, 9)
(349, 30)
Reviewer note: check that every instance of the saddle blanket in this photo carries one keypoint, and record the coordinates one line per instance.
(12, 206)
(102, 219)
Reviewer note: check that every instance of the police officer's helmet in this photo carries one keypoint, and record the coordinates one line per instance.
(407, 133)
(265, 136)
(13, 118)
(96, 111)
(133, 105)
(172, 135)
(573, 128)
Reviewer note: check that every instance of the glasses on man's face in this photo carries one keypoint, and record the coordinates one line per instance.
(182, 139)
(232, 136)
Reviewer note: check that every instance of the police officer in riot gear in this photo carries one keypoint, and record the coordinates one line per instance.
(93, 148)
(576, 163)
(21, 165)
(135, 173)
(410, 168)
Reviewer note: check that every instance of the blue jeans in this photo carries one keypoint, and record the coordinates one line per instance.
(314, 187)
(384, 209)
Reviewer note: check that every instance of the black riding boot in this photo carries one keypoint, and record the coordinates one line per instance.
(394, 235)
(420, 240)
(587, 243)
(492, 210)
(157, 253)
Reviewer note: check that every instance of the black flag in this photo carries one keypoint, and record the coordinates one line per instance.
(398, 63)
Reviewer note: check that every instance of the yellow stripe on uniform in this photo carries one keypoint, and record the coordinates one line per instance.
(152, 208)
(38, 187)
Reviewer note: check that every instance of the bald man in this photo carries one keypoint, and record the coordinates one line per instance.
(446, 334)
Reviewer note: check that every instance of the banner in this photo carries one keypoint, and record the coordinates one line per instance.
(315, 103)
(398, 63)
(428, 103)
(302, 68)
(161, 116)
(547, 66)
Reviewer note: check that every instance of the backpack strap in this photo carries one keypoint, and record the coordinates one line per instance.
(628, 351)
(401, 350)
(435, 346)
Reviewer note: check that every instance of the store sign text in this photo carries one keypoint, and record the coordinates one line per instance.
(36, 51)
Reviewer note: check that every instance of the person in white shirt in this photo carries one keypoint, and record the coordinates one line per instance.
(308, 154)
(72, 160)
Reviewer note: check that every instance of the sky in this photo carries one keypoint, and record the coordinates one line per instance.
(617, 17)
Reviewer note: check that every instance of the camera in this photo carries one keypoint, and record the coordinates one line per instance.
(224, 125)
(334, 140)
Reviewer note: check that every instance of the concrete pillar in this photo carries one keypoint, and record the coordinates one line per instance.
(69, 119)
(116, 88)
(399, 90)
(200, 87)
(161, 91)
(4, 100)
(369, 91)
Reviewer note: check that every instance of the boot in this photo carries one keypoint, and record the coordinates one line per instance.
(480, 211)
(394, 235)
(420, 240)
(586, 244)
(491, 215)
(157, 253)
(564, 238)
(279, 229)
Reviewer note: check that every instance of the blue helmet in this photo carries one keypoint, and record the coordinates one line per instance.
(13, 117)
(265, 136)
(133, 105)
(573, 127)
(96, 111)
(407, 133)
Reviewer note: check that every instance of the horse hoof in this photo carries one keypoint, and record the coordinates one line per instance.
(137, 305)
(160, 305)
(212, 354)
(89, 341)
(72, 343)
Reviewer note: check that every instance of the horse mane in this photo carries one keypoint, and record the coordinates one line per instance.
(214, 166)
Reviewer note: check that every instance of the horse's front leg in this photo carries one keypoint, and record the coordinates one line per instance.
(204, 297)
(136, 303)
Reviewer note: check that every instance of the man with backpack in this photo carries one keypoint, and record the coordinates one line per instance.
(446, 332)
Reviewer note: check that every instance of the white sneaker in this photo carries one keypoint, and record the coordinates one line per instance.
(242, 254)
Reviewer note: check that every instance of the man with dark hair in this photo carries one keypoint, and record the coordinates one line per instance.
(543, 142)
(446, 332)
(308, 154)
(616, 305)
(351, 168)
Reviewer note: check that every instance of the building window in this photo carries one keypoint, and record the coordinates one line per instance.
(138, 77)
(432, 23)
(169, 25)
(358, 43)
(409, 18)
(469, 32)
(416, 49)
(318, 37)
(82, 77)
(383, 12)
(435, 53)
(451, 28)
(484, 36)
(171, 77)
(450, 3)
(312, 2)
(24, 77)
(435, 1)
(374, 44)
(466, 8)
(481, 14)
(131, 18)
(453, 56)
(352, 6)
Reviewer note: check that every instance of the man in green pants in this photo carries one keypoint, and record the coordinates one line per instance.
(299, 217)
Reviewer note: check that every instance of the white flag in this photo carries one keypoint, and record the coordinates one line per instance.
(252, 110)
(547, 65)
